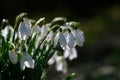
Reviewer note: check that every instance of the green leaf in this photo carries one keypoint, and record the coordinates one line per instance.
(32, 44)
(8, 35)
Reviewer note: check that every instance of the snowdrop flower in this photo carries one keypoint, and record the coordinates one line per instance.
(13, 57)
(70, 40)
(61, 64)
(70, 53)
(61, 38)
(53, 58)
(79, 36)
(44, 31)
(27, 23)
(5, 32)
(27, 61)
(59, 61)
(37, 29)
(49, 36)
(24, 29)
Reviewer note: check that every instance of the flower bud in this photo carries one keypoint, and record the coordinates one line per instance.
(13, 57)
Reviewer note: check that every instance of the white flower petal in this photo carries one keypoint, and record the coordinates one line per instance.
(73, 54)
(27, 61)
(22, 65)
(70, 40)
(33, 64)
(27, 64)
(23, 31)
(51, 61)
(44, 30)
(56, 39)
(70, 53)
(49, 36)
(80, 37)
(27, 23)
(30, 60)
(37, 29)
(62, 41)
(66, 53)
(61, 64)
(53, 58)
(5, 32)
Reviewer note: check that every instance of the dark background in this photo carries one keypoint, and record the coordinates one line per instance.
(99, 58)
(69, 8)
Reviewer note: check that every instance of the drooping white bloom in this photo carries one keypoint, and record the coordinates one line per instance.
(53, 58)
(51, 61)
(44, 31)
(61, 64)
(27, 23)
(5, 32)
(61, 38)
(49, 36)
(70, 40)
(59, 61)
(13, 57)
(70, 53)
(37, 29)
(27, 61)
(24, 29)
(79, 36)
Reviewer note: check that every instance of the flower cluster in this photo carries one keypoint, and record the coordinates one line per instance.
(68, 38)
(29, 46)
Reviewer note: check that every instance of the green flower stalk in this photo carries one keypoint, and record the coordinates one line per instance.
(28, 48)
